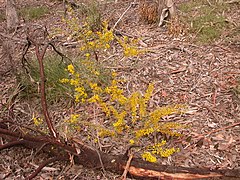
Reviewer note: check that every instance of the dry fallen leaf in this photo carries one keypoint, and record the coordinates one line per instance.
(225, 146)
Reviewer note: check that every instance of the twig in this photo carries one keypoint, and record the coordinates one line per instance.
(35, 173)
(59, 53)
(100, 159)
(24, 60)
(223, 128)
(232, 1)
(131, 4)
(123, 177)
(210, 4)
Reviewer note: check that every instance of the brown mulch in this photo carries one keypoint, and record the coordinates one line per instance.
(204, 77)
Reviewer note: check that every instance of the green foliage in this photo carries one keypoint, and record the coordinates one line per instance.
(2, 16)
(93, 15)
(205, 19)
(90, 13)
(32, 13)
(54, 70)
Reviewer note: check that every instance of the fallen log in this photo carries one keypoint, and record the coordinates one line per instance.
(92, 158)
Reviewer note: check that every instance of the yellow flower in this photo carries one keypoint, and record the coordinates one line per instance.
(87, 55)
(70, 69)
(105, 133)
(131, 141)
(64, 80)
(95, 88)
(107, 46)
(36, 120)
(89, 33)
(120, 120)
(73, 119)
(149, 92)
(105, 108)
(114, 74)
(133, 101)
(94, 98)
(96, 73)
(147, 156)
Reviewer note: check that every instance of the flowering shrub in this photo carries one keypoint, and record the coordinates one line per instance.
(132, 121)
(129, 119)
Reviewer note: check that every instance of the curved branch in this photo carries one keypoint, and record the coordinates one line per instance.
(43, 95)
(35, 173)
(11, 144)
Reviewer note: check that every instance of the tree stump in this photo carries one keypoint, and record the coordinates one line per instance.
(156, 11)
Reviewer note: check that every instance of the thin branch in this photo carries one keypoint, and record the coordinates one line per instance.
(131, 4)
(25, 50)
(43, 95)
(11, 144)
(36, 139)
(35, 173)
(58, 52)
(223, 128)
(124, 175)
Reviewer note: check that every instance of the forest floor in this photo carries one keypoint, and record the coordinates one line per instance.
(204, 76)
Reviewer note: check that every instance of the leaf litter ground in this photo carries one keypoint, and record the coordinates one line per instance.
(202, 76)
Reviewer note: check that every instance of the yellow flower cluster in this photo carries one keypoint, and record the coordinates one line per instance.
(144, 132)
(116, 93)
(147, 156)
(76, 82)
(119, 125)
(106, 133)
(97, 40)
(133, 107)
(95, 88)
(80, 93)
(37, 120)
(144, 100)
(73, 123)
(158, 150)
(131, 118)
(71, 69)
(131, 141)
(167, 152)
(133, 102)
(73, 120)
(159, 113)
(129, 47)
(169, 128)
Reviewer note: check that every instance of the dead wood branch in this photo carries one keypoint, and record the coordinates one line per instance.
(89, 157)
(11, 144)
